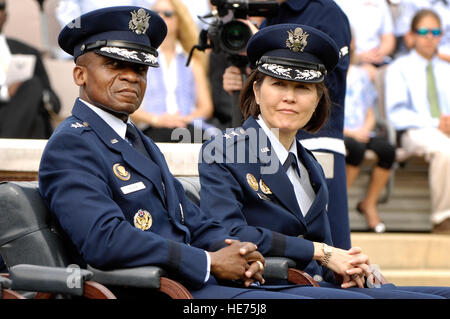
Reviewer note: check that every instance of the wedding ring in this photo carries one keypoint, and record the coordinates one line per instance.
(261, 266)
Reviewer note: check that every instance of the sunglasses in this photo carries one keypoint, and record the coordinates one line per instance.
(166, 13)
(424, 32)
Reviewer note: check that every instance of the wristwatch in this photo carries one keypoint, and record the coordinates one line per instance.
(327, 251)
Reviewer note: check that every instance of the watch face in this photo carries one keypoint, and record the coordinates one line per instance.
(328, 249)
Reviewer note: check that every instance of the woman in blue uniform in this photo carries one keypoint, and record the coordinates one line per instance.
(262, 184)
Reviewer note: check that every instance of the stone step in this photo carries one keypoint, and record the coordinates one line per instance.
(418, 277)
(408, 259)
(405, 251)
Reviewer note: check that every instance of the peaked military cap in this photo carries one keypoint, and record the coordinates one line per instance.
(126, 33)
(293, 52)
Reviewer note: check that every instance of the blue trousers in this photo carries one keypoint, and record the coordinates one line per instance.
(390, 291)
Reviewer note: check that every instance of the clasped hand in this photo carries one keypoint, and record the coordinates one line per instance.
(352, 265)
(238, 261)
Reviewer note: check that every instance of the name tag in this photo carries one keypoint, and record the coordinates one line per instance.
(132, 188)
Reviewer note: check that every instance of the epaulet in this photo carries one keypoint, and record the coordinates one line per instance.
(234, 135)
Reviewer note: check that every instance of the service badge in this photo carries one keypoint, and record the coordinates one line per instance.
(264, 188)
(251, 180)
(142, 219)
(121, 172)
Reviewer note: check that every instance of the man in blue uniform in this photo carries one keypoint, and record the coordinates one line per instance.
(326, 16)
(109, 186)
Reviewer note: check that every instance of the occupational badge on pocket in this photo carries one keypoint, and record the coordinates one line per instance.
(142, 219)
(264, 188)
(121, 172)
(251, 180)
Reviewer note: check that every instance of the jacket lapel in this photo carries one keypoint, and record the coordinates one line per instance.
(112, 140)
(272, 172)
(317, 181)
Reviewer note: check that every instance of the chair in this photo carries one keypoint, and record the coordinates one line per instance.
(6, 293)
(38, 255)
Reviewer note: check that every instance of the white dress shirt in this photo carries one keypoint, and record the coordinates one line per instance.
(302, 186)
(406, 91)
(121, 129)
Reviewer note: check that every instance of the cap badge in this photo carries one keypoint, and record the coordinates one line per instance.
(297, 40)
(251, 180)
(139, 22)
(121, 172)
(264, 188)
(142, 219)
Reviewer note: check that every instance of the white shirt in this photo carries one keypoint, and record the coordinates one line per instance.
(121, 129)
(370, 19)
(302, 185)
(406, 91)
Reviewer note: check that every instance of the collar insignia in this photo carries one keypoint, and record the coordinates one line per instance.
(139, 22)
(296, 40)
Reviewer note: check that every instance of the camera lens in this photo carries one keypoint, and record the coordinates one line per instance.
(235, 35)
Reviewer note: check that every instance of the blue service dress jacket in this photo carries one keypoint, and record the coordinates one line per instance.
(243, 185)
(120, 208)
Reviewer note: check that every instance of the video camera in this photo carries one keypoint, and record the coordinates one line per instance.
(226, 34)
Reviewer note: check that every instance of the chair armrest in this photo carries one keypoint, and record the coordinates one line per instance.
(280, 268)
(152, 277)
(49, 279)
(138, 277)
(277, 267)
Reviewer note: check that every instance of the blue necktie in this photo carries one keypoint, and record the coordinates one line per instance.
(291, 160)
(133, 136)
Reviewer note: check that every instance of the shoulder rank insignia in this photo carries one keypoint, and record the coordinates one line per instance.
(264, 188)
(142, 219)
(251, 180)
(77, 125)
(121, 172)
(296, 40)
(139, 22)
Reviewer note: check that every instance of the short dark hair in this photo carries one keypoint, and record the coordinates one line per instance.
(249, 107)
(420, 15)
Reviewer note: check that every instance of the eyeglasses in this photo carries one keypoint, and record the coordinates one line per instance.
(424, 32)
(166, 13)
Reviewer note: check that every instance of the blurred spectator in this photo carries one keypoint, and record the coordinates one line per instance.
(68, 10)
(359, 135)
(374, 31)
(402, 12)
(442, 8)
(177, 96)
(418, 104)
(26, 98)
